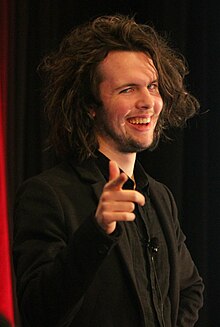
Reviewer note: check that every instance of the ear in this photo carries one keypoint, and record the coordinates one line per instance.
(92, 112)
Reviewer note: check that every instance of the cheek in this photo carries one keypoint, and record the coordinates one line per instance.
(158, 106)
(119, 110)
(123, 108)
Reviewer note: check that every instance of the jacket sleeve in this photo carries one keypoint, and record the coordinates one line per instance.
(190, 283)
(54, 266)
(191, 289)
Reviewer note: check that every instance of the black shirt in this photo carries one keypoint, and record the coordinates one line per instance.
(148, 250)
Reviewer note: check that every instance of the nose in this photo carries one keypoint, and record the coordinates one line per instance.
(145, 100)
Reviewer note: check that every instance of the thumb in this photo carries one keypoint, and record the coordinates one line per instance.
(116, 178)
(114, 171)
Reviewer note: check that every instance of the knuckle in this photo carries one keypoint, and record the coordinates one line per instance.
(105, 215)
(106, 218)
(105, 208)
(105, 196)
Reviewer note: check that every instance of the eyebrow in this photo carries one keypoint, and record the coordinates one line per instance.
(133, 84)
(125, 85)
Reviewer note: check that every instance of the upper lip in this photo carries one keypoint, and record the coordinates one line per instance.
(147, 114)
(140, 117)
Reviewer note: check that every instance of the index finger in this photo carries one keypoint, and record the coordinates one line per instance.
(116, 178)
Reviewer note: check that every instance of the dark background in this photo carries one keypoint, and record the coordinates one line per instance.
(189, 165)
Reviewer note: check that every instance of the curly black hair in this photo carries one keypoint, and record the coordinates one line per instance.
(72, 80)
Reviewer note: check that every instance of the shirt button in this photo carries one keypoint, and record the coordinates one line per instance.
(103, 249)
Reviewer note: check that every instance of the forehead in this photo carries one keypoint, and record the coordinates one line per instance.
(125, 64)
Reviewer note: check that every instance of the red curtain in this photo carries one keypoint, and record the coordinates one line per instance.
(6, 294)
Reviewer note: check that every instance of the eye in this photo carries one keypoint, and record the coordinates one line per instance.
(127, 90)
(153, 86)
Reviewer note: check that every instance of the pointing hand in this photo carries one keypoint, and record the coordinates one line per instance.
(116, 204)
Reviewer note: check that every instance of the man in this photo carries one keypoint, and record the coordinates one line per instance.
(97, 241)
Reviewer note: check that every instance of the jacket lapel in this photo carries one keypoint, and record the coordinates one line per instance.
(89, 172)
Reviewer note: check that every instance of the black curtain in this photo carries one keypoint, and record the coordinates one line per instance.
(189, 164)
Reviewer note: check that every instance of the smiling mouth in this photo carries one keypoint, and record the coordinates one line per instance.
(139, 121)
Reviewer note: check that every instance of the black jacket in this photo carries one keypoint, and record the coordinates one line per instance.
(70, 273)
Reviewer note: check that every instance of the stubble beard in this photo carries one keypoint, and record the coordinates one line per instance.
(123, 143)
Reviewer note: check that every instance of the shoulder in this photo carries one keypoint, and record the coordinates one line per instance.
(66, 173)
(46, 182)
(159, 191)
(62, 183)
(62, 171)
(162, 196)
(159, 187)
(52, 178)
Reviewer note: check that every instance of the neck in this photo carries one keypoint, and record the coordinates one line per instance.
(125, 161)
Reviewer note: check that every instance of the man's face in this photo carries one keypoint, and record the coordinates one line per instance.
(131, 103)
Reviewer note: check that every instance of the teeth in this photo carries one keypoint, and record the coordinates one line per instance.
(139, 120)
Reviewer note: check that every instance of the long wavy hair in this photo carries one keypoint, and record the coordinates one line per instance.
(72, 81)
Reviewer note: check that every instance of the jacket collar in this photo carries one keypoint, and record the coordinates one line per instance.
(89, 172)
